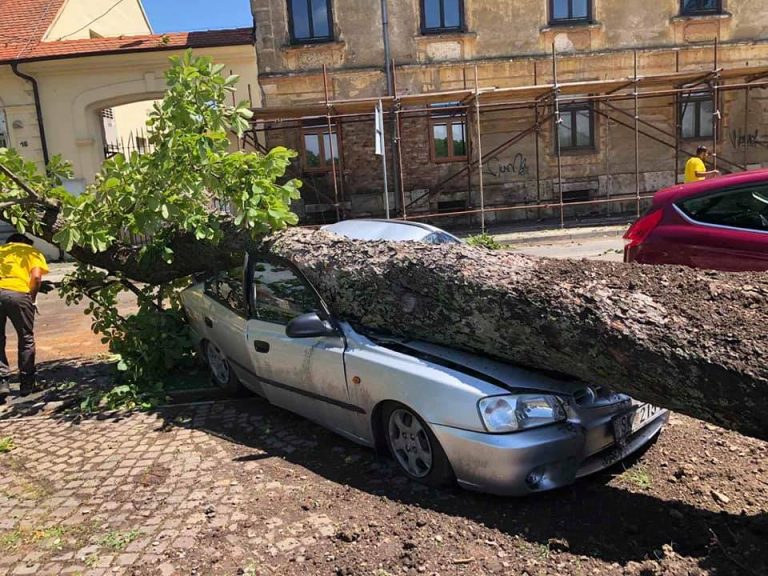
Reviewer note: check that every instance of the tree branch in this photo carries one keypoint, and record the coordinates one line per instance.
(21, 184)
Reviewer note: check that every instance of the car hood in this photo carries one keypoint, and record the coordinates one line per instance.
(507, 376)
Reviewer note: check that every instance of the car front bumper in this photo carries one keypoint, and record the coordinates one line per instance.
(540, 459)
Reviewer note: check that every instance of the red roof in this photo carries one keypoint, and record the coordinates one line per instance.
(145, 43)
(23, 24)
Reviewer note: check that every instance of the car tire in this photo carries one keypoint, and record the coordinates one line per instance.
(414, 447)
(221, 370)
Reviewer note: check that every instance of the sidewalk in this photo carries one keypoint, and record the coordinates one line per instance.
(546, 236)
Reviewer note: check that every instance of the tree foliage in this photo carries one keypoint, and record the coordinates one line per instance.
(189, 186)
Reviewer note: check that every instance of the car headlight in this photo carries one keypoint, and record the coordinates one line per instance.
(520, 412)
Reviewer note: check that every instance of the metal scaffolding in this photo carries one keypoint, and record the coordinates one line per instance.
(545, 102)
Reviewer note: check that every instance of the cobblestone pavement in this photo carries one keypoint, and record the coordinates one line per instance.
(100, 497)
(241, 487)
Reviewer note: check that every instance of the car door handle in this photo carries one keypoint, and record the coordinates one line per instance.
(208, 322)
(261, 346)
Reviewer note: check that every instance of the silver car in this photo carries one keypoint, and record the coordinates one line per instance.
(444, 415)
(391, 230)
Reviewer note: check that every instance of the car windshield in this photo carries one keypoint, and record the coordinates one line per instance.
(373, 230)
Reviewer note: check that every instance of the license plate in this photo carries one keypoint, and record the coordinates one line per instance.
(630, 422)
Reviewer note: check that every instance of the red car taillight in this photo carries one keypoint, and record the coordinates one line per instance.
(640, 230)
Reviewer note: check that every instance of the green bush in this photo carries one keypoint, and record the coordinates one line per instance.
(485, 240)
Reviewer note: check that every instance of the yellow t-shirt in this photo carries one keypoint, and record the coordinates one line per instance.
(694, 165)
(16, 262)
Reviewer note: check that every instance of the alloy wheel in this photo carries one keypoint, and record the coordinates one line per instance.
(410, 443)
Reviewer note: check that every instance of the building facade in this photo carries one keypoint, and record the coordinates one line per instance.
(77, 79)
(583, 144)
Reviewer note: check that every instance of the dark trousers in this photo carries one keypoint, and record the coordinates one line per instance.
(19, 308)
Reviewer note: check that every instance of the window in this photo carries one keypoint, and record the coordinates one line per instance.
(696, 116)
(3, 131)
(697, 7)
(279, 295)
(310, 20)
(321, 149)
(448, 132)
(576, 130)
(442, 16)
(568, 11)
(735, 208)
(227, 289)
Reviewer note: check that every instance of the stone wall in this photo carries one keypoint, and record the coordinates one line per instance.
(509, 43)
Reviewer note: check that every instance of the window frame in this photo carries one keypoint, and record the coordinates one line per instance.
(711, 12)
(312, 39)
(573, 109)
(697, 99)
(588, 19)
(254, 258)
(448, 118)
(326, 163)
(5, 137)
(425, 31)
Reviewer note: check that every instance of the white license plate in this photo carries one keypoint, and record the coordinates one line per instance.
(630, 422)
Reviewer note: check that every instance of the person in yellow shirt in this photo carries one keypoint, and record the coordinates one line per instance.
(21, 273)
(696, 170)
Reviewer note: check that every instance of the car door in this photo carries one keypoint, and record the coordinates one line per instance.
(225, 318)
(304, 375)
(728, 229)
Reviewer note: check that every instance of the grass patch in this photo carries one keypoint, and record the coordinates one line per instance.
(485, 240)
(638, 477)
(51, 538)
(118, 540)
(6, 444)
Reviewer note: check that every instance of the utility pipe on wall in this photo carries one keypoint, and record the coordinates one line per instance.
(38, 108)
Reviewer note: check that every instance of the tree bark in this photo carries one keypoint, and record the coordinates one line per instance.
(692, 341)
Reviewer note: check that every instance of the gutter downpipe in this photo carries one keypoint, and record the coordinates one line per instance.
(38, 109)
(389, 73)
(387, 53)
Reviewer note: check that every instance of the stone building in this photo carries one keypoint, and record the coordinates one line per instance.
(480, 113)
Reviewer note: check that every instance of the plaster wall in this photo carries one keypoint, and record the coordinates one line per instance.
(74, 91)
(85, 18)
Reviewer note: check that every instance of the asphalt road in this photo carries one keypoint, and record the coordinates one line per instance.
(603, 248)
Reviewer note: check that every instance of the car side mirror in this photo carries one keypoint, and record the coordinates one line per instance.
(310, 326)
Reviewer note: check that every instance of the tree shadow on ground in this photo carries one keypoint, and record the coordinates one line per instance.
(591, 518)
(61, 386)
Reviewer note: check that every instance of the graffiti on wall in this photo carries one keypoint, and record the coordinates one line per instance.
(742, 139)
(497, 168)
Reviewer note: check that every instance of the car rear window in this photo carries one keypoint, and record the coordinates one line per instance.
(227, 289)
(744, 208)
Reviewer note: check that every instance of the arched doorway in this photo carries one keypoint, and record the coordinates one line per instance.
(124, 129)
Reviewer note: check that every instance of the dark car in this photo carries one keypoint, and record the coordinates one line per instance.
(719, 224)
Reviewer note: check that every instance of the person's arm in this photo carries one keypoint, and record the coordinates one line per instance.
(35, 279)
(707, 174)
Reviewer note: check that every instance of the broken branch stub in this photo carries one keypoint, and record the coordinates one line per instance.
(691, 341)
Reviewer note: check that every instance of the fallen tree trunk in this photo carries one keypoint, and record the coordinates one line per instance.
(692, 341)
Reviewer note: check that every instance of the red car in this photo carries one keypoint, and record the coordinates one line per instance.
(720, 224)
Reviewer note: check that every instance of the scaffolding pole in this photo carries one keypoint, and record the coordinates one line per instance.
(715, 106)
(330, 143)
(479, 153)
(637, 135)
(558, 122)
